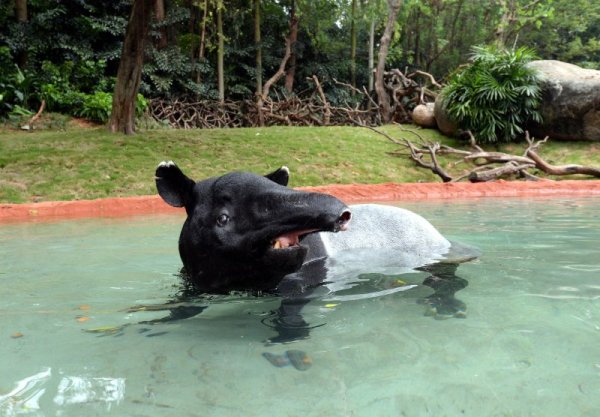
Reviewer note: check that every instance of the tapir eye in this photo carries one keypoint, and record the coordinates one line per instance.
(222, 220)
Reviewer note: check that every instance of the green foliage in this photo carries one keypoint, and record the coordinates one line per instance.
(75, 88)
(495, 95)
(570, 34)
(141, 105)
(168, 72)
(70, 49)
(11, 81)
(97, 107)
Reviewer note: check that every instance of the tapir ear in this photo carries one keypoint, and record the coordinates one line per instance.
(281, 176)
(172, 184)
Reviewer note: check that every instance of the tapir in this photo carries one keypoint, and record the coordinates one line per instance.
(249, 232)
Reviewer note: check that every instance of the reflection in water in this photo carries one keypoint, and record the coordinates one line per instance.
(78, 390)
(316, 281)
(25, 398)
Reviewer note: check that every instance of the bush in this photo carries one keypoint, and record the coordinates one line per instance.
(13, 84)
(495, 95)
(97, 107)
(66, 86)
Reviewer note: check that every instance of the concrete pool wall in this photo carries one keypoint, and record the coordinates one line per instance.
(349, 193)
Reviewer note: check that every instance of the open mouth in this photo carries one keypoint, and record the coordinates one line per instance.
(292, 239)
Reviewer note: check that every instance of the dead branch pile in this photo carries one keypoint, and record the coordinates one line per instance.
(483, 165)
(309, 108)
(407, 91)
(206, 114)
(289, 111)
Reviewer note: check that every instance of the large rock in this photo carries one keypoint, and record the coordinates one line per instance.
(422, 115)
(445, 125)
(570, 101)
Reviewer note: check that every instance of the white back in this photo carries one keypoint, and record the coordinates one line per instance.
(381, 239)
(375, 226)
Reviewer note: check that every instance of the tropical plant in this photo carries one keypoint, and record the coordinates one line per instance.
(495, 95)
(97, 107)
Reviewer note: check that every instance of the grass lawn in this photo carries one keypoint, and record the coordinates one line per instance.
(87, 163)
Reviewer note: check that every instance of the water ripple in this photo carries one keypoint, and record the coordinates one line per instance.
(583, 267)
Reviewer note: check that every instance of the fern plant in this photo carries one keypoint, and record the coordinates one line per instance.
(494, 96)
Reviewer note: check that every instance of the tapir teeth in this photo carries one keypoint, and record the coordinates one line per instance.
(277, 245)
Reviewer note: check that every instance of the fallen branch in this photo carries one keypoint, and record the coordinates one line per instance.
(550, 169)
(510, 168)
(485, 163)
(29, 125)
(562, 169)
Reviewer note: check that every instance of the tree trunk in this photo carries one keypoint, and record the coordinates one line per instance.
(291, 71)
(353, 47)
(22, 18)
(201, 47)
(417, 45)
(220, 52)
(371, 54)
(257, 42)
(508, 16)
(265, 91)
(130, 68)
(386, 38)
(159, 12)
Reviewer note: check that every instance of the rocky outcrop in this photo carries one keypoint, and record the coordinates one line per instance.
(570, 101)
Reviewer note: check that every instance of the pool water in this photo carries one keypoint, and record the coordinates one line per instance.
(70, 344)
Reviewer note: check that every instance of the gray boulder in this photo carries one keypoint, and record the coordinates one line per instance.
(422, 115)
(570, 101)
(444, 124)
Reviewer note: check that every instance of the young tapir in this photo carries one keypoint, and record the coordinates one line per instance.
(248, 232)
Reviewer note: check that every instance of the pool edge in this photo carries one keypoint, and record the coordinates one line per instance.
(349, 193)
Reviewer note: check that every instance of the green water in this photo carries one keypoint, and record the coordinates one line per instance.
(529, 345)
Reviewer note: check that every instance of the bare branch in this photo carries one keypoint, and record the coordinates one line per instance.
(427, 75)
(492, 174)
(327, 110)
(350, 86)
(562, 169)
(281, 71)
(37, 115)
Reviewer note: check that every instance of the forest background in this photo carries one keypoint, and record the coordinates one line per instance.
(67, 52)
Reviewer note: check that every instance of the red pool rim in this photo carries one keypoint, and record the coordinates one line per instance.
(349, 193)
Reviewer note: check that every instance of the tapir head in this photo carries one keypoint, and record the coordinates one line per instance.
(244, 231)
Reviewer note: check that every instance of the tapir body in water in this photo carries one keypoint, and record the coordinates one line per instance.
(249, 232)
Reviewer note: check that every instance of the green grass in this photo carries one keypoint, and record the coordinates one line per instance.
(86, 163)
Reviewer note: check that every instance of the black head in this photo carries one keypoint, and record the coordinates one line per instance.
(244, 231)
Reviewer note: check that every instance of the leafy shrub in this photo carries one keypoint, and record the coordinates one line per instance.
(141, 104)
(97, 107)
(66, 86)
(495, 95)
(12, 82)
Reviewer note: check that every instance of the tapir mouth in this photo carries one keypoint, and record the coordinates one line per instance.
(293, 238)
(290, 239)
